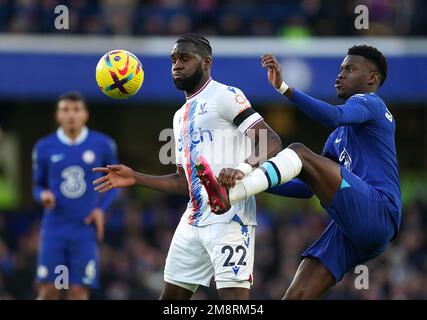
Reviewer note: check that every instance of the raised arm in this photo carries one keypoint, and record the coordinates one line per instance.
(354, 111)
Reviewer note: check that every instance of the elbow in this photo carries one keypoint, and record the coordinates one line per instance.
(275, 144)
(278, 145)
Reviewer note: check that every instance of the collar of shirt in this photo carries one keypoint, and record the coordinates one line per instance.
(70, 142)
(200, 90)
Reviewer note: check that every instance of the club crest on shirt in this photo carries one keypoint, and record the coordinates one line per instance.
(242, 102)
(88, 156)
(240, 99)
(203, 109)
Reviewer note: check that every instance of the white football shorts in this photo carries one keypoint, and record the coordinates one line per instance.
(223, 250)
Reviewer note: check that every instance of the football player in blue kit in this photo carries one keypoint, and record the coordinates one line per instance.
(356, 178)
(73, 219)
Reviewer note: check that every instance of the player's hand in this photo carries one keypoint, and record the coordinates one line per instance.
(47, 199)
(228, 177)
(116, 176)
(97, 218)
(269, 61)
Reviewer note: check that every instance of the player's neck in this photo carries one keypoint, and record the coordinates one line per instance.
(73, 134)
(366, 90)
(200, 85)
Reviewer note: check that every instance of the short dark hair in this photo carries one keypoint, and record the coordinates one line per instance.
(72, 96)
(373, 55)
(202, 44)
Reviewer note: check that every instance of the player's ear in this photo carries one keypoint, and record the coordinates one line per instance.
(374, 78)
(86, 114)
(56, 115)
(207, 63)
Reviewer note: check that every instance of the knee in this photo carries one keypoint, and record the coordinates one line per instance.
(48, 292)
(78, 293)
(301, 150)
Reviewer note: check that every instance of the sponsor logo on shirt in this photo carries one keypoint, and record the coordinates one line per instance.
(195, 137)
(57, 157)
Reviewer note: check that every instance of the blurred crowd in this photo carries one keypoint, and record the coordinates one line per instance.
(291, 18)
(139, 233)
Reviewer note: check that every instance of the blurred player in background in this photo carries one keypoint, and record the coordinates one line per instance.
(356, 177)
(73, 219)
(204, 244)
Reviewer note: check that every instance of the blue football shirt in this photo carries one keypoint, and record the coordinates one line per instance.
(65, 168)
(363, 140)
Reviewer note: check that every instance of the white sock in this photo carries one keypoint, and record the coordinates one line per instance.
(285, 166)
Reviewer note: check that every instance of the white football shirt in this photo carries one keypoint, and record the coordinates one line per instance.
(213, 123)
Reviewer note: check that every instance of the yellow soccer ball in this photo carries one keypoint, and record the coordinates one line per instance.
(119, 74)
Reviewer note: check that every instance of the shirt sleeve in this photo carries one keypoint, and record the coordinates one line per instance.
(357, 109)
(236, 108)
(176, 133)
(39, 172)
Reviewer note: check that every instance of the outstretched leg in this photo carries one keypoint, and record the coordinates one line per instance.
(321, 174)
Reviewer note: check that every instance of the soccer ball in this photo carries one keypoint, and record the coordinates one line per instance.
(119, 74)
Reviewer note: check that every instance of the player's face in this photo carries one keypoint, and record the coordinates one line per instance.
(71, 115)
(356, 76)
(188, 67)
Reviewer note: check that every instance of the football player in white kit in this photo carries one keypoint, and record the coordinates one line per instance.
(213, 123)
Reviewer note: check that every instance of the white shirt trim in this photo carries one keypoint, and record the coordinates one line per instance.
(200, 90)
(250, 122)
(70, 142)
